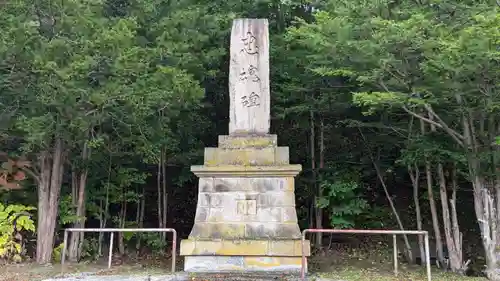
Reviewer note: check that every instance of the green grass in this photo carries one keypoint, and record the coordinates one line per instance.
(374, 262)
(357, 274)
(350, 273)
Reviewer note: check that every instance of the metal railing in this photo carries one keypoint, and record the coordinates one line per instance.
(112, 231)
(355, 231)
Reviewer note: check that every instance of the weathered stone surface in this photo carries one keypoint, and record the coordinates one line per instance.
(246, 200)
(282, 248)
(273, 263)
(246, 207)
(259, 230)
(239, 171)
(289, 215)
(219, 230)
(288, 248)
(250, 186)
(282, 155)
(267, 214)
(281, 199)
(290, 184)
(206, 184)
(242, 263)
(216, 227)
(249, 106)
(248, 141)
(201, 214)
(268, 156)
(249, 212)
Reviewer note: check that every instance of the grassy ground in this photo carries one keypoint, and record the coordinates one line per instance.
(346, 264)
(28, 272)
(363, 274)
(33, 272)
(374, 263)
(358, 271)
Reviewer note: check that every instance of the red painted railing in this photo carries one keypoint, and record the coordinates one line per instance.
(112, 231)
(359, 231)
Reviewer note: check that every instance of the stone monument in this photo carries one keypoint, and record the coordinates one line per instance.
(245, 215)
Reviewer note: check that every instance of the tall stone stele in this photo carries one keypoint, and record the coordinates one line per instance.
(245, 216)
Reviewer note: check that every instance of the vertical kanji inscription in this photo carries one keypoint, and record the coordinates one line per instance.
(249, 77)
(250, 45)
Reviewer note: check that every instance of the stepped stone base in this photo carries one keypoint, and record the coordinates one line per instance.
(245, 216)
(280, 248)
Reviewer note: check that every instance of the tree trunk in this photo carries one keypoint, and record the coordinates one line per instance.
(454, 247)
(137, 217)
(159, 197)
(451, 231)
(103, 217)
(415, 180)
(76, 241)
(312, 140)
(143, 206)
(123, 217)
(457, 235)
(408, 251)
(319, 211)
(432, 204)
(486, 209)
(485, 206)
(49, 187)
(72, 249)
(101, 222)
(164, 192)
(140, 220)
(138, 208)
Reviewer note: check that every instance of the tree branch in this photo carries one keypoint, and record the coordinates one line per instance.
(455, 135)
(445, 126)
(31, 173)
(421, 117)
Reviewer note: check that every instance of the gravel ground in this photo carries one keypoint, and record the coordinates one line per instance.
(88, 277)
(100, 272)
(184, 277)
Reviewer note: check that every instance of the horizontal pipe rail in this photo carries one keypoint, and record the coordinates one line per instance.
(363, 231)
(121, 230)
(112, 231)
(366, 231)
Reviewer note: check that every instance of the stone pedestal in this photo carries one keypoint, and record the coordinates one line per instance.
(245, 215)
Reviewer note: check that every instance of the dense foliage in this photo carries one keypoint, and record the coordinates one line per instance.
(386, 104)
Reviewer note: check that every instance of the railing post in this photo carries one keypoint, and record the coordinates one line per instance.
(359, 231)
(174, 248)
(427, 257)
(395, 249)
(303, 259)
(111, 238)
(65, 246)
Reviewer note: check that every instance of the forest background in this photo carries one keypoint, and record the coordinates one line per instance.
(391, 106)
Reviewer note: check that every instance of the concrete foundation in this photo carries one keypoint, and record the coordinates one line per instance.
(241, 263)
